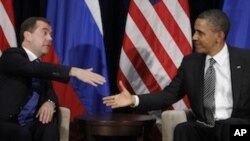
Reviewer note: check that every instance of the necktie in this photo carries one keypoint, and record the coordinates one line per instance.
(209, 89)
(27, 112)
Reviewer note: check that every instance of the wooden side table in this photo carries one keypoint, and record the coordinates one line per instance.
(116, 125)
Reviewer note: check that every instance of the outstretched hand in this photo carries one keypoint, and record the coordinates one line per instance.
(122, 99)
(87, 76)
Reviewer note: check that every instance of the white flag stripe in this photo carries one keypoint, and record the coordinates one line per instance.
(94, 8)
(180, 17)
(160, 31)
(7, 27)
(131, 74)
(179, 105)
(146, 53)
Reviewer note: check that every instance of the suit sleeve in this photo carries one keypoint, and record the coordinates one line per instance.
(16, 62)
(162, 99)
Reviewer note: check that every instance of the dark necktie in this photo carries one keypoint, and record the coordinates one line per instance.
(209, 90)
(26, 114)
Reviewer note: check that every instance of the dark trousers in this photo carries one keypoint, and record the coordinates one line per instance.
(35, 131)
(194, 131)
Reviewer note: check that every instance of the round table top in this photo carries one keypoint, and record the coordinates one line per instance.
(116, 119)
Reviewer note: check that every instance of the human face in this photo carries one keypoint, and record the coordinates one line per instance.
(206, 40)
(40, 39)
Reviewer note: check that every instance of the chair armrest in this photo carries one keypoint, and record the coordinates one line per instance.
(170, 118)
(64, 121)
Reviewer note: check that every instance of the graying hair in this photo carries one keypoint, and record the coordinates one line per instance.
(217, 20)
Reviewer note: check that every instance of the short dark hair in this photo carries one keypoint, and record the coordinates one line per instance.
(217, 19)
(29, 25)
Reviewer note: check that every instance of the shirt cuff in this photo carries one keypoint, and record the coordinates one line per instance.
(136, 102)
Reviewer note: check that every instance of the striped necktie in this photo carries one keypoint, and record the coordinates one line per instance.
(209, 90)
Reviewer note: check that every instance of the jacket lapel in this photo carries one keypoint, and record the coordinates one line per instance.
(199, 77)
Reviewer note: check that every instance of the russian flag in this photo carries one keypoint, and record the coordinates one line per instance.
(78, 41)
(238, 12)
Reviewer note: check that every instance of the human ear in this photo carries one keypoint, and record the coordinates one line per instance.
(27, 35)
(221, 36)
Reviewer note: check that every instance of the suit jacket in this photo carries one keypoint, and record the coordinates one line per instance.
(189, 80)
(16, 73)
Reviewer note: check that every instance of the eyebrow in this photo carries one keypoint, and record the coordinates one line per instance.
(45, 28)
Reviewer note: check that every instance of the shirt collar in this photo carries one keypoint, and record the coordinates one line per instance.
(30, 54)
(220, 56)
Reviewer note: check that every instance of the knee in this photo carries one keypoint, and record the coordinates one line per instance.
(183, 130)
(180, 128)
(49, 128)
(48, 132)
(24, 134)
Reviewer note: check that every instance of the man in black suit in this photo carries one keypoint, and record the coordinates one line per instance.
(18, 68)
(231, 90)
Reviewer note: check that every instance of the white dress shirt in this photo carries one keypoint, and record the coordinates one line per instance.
(223, 86)
(30, 54)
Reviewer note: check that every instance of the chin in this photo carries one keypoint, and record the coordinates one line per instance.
(199, 50)
(45, 52)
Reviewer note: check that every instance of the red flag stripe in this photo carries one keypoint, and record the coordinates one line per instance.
(138, 64)
(6, 24)
(67, 98)
(181, 18)
(174, 29)
(131, 75)
(185, 7)
(122, 77)
(8, 6)
(3, 41)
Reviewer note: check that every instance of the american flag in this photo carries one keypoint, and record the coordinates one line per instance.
(7, 30)
(157, 37)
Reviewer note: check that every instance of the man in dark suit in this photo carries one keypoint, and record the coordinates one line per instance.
(231, 84)
(19, 67)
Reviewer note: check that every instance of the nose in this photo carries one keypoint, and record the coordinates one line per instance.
(50, 37)
(194, 36)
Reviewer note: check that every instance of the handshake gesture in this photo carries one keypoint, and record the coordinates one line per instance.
(123, 99)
